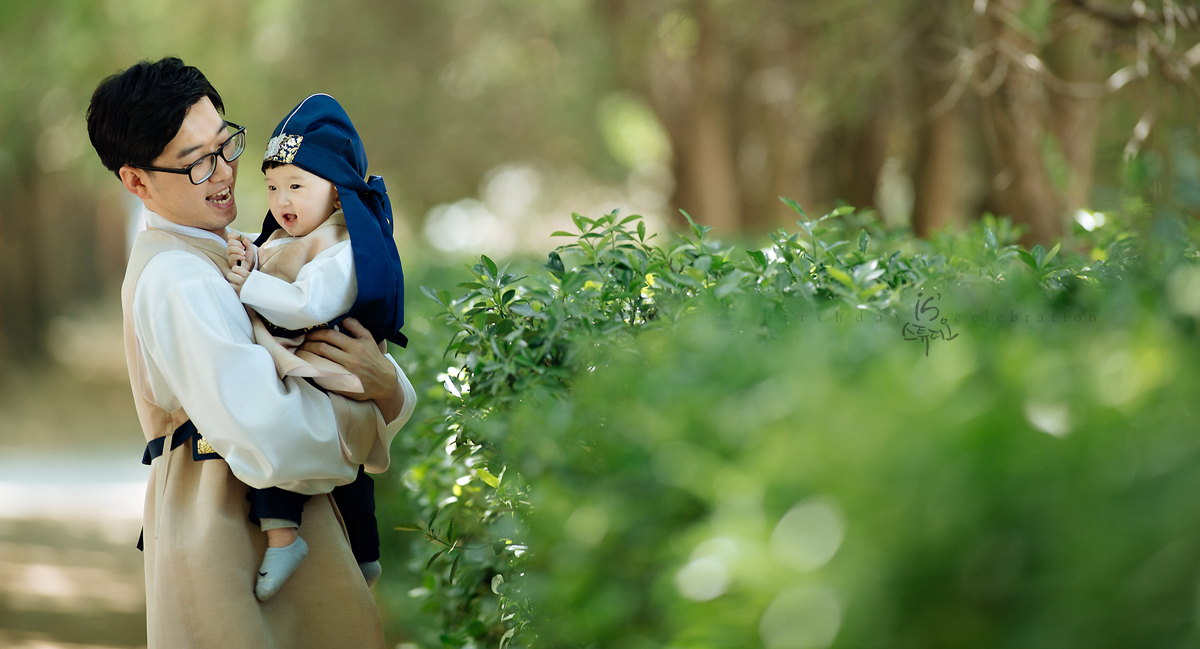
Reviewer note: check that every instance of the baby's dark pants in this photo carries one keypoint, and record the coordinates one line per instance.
(356, 502)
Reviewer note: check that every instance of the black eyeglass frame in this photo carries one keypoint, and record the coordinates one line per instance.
(241, 130)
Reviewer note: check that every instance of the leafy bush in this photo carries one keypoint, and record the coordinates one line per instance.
(611, 460)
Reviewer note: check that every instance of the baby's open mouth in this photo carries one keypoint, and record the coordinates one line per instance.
(289, 219)
(221, 198)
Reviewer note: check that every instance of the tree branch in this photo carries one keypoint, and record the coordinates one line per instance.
(1136, 15)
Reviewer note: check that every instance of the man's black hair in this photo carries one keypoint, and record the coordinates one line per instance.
(134, 114)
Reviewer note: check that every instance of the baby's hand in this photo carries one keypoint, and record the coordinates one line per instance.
(237, 276)
(240, 253)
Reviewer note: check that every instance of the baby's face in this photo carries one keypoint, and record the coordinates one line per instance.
(300, 201)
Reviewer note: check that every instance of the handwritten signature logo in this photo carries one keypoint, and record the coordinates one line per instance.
(927, 326)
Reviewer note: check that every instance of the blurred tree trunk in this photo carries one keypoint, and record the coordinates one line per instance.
(939, 172)
(1014, 122)
(692, 97)
(868, 146)
(778, 138)
(5, 272)
(939, 167)
(20, 306)
(858, 148)
(1075, 113)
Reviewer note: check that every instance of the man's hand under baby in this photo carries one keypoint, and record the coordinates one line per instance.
(357, 351)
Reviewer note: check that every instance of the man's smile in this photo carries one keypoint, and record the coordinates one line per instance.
(222, 198)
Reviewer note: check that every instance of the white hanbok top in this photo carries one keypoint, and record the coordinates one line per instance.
(324, 289)
(199, 351)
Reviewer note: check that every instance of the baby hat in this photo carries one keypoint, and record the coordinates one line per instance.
(317, 136)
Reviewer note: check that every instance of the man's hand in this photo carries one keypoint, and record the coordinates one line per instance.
(359, 354)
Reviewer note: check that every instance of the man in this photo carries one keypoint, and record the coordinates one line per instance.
(214, 413)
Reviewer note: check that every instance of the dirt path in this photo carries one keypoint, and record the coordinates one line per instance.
(71, 492)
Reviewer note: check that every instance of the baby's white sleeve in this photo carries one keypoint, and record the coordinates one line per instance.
(324, 289)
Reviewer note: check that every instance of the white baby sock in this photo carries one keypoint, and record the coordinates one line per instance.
(371, 571)
(278, 564)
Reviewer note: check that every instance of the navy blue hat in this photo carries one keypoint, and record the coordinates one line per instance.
(318, 137)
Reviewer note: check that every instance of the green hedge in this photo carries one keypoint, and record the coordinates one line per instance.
(689, 444)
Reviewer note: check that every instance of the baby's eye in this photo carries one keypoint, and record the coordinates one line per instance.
(295, 186)
(270, 188)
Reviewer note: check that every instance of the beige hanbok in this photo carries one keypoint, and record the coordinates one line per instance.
(201, 551)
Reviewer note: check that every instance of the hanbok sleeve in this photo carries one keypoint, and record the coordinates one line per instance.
(198, 345)
(324, 289)
(378, 457)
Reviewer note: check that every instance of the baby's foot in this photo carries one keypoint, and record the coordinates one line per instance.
(278, 564)
(371, 571)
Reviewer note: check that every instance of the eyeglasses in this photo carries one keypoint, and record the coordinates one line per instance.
(202, 169)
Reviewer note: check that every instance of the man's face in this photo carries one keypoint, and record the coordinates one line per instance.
(209, 205)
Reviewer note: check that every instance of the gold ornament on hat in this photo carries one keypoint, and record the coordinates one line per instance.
(282, 148)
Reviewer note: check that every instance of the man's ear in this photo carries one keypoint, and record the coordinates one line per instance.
(136, 181)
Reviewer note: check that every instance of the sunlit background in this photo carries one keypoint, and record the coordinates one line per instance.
(492, 121)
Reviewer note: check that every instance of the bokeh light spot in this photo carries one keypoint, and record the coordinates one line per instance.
(703, 579)
(801, 618)
(810, 533)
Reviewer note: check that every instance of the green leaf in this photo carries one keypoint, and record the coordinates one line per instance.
(508, 636)
(758, 257)
(432, 294)
(580, 220)
(840, 276)
(433, 558)
(698, 230)
(794, 205)
(487, 477)
(1028, 259)
(863, 240)
(1050, 255)
(871, 292)
(498, 584)
(554, 264)
(454, 567)
(491, 265)
(841, 211)
(561, 233)
(730, 283)
(1039, 254)
(526, 310)
(641, 230)
(408, 528)
(469, 285)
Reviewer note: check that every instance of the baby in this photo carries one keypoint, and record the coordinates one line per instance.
(326, 252)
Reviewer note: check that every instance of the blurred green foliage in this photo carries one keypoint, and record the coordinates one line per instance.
(849, 435)
(646, 441)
